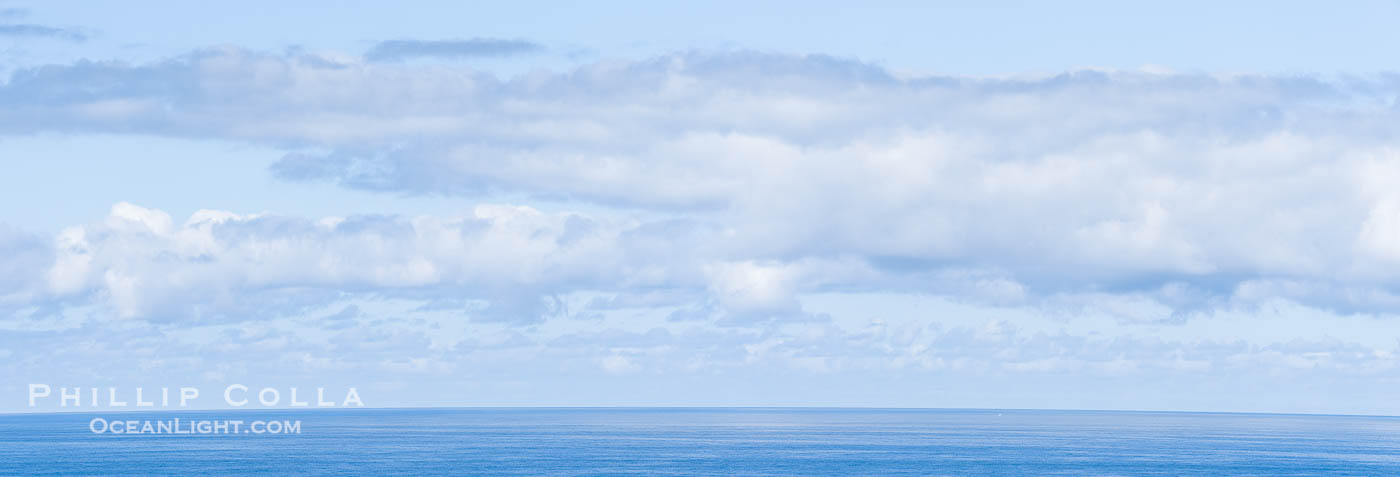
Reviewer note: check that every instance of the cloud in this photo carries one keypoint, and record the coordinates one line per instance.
(399, 50)
(40, 31)
(495, 264)
(1159, 195)
(142, 264)
(345, 318)
(682, 362)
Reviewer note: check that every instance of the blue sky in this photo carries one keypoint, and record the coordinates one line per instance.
(967, 204)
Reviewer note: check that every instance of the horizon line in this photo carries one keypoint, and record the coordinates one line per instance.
(732, 408)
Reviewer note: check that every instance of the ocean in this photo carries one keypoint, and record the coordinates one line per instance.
(720, 441)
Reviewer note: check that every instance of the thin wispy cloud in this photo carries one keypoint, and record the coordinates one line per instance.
(41, 31)
(398, 50)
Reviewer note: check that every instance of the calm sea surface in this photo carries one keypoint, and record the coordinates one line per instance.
(717, 442)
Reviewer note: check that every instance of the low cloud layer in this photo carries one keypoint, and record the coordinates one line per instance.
(903, 363)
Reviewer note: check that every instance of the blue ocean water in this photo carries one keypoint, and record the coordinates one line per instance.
(726, 441)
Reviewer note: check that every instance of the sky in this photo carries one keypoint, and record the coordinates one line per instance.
(1084, 205)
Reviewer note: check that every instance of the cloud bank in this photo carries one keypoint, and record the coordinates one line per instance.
(677, 226)
(775, 176)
